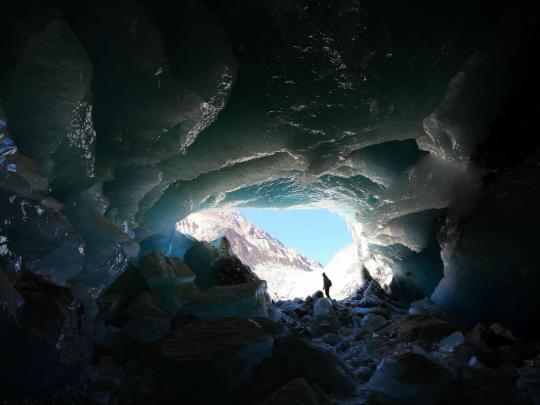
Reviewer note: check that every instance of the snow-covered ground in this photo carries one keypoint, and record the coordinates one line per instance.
(289, 274)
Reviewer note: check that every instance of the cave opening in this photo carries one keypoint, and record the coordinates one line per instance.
(288, 248)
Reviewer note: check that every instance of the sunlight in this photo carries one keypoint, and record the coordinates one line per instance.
(290, 249)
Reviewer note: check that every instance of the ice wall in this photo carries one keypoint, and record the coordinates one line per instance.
(130, 115)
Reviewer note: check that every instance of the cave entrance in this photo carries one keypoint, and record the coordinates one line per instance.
(289, 248)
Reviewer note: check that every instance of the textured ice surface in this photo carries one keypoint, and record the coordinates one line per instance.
(389, 115)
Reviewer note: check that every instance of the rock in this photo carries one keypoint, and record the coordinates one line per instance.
(129, 284)
(427, 329)
(375, 348)
(331, 338)
(475, 336)
(412, 377)
(498, 336)
(427, 307)
(115, 300)
(343, 346)
(373, 322)
(160, 271)
(324, 318)
(476, 375)
(315, 365)
(365, 372)
(147, 304)
(529, 378)
(164, 274)
(484, 338)
(185, 292)
(450, 342)
(373, 295)
(222, 243)
(296, 392)
(206, 362)
(492, 394)
(215, 267)
(10, 299)
(49, 343)
(147, 329)
(129, 299)
(370, 310)
(317, 294)
(244, 300)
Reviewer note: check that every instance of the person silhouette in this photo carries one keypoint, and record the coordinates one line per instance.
(326, 284)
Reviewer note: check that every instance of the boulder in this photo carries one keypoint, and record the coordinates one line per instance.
(316, 365)
(492, 394)
(215, 267)
(247, 300)
(296, 392)
(317, 294)
(373, 322)
(147, 304)
(129, 284)
(115, 300)
(207, 362)
(230, 271)
(373, 295)
(426, 329)
(427, 307)
(164, 274)
(160, 271)
(186, 292)
(324, 318)
(498, 336)
(147, 329)
(413, 378)
(484, 338)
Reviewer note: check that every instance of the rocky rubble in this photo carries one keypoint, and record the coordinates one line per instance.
(417, 354)
(229, 344)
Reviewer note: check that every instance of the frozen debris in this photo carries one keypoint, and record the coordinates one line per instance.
(450, 342)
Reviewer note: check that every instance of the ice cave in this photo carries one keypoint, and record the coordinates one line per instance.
(126, 125)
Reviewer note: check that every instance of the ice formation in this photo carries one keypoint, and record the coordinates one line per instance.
(119, 119)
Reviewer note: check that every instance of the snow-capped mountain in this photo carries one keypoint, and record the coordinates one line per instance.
(288, 273)
(250, 243)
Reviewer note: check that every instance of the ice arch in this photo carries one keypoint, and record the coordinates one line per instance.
(125, 118)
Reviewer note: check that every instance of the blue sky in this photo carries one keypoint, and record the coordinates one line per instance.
(316, 233)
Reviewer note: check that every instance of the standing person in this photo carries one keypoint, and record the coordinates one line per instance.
(327, 285)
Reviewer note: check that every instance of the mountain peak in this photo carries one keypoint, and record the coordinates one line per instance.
(251, 244)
